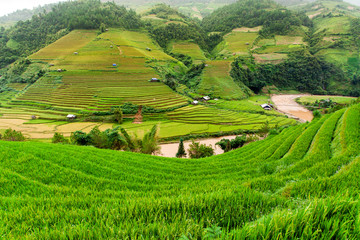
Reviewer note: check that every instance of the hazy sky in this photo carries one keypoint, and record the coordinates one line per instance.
(9, 6)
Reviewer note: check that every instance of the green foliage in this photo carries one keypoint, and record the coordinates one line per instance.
(299, 184)
(316, 114)
(301, 71)
(13, 135)
(45, 28)
(80, 138)
(228, 145)
(253, 13)
(198, 150)
(118, 115)
(181, 150)
(213, 232)
(149, 144)
(59, 138)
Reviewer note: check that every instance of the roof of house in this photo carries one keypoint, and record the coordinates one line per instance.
(206, 98)
(71, 116)
(265, 105)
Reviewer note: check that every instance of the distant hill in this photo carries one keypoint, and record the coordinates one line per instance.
(23, 15)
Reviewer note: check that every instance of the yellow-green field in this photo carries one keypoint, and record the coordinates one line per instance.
(188, 48)
(217, 82)
(337, 99)
(240, 42)
(91, 81)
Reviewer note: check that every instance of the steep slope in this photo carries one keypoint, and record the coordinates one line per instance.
(301, 183)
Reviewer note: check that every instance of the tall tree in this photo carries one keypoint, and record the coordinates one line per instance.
(181, 151)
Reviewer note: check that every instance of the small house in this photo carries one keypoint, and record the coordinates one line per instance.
(51, 65)
(59, 70)
(148, 49)
(154, 80)
(111, 46)
(76, 53)
(71, 116)
(33, 117)
(266, 106)
(195, 102)
(206, 98)
(114, 64)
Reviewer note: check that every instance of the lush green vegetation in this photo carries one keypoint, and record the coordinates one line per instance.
(32, 35)
(253, 13)
(300, 183)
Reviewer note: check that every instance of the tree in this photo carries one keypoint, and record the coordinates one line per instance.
(13, 135)
(59, 138)
(102, 27)
(181, 151)
(80, 138)
(198, 150)
(149, 144)
(227, 145)
(118, 113)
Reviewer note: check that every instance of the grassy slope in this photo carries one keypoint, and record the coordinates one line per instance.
(302, 183)
(91, 82)
(216, 81)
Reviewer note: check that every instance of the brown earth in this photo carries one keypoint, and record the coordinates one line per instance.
(286, 104)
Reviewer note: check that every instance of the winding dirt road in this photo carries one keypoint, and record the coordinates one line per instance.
(286, 104)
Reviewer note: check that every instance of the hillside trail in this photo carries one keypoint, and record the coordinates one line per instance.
(138, 119)
(286, 104)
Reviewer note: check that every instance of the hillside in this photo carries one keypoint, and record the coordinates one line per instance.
(301, 183)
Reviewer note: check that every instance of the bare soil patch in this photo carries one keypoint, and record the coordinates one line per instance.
(286, 104)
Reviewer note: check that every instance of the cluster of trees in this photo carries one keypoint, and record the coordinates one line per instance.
(12, 135)
(116, 139)
(252, 13)
(44, 28)
(302, 71)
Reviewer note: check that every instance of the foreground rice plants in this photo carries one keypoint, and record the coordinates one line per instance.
(301, 183)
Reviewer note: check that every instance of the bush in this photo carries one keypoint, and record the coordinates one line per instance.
(198, 150)
(181, 151)
(228, 145)
(317, 114)
(12, 135)
(59, 138)
(80, 138)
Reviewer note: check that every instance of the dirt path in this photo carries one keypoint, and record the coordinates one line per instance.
(138, 116)
(286, 104)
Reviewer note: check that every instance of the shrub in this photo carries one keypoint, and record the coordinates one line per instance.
(317, 114)
(198, 150)
(181, 151)
(12, 135)
(80, 138)
(59, 138)
(228, 145)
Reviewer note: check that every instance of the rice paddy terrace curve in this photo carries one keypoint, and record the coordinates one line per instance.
(301, 183)
(101, 72)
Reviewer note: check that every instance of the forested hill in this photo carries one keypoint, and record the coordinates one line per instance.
(31, 35)
(23, 15)
(249, 13)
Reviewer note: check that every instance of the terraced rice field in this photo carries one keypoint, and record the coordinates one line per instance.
(335, 25)
(188, 48)
(251, 104)
(240, 42)
(91, 82)
(206, 115)
(338, 99)
(217, 82)
(302, 184)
